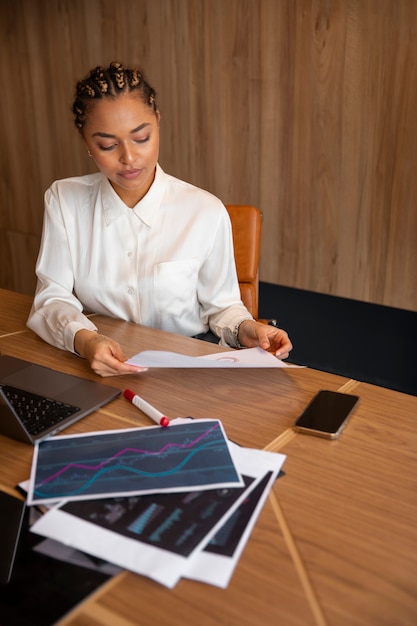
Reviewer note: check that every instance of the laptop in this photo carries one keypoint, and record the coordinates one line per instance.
(38, 402)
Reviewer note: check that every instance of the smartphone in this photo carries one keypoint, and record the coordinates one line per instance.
(327, 414)
(11, 516)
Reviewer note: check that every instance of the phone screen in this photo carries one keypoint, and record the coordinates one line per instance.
(327, 414)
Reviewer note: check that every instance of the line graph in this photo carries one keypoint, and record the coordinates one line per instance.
(191, 455)
(121, 452)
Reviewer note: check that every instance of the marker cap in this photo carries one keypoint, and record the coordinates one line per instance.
(129, 394)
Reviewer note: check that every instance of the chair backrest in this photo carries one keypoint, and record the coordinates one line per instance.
(246, 227)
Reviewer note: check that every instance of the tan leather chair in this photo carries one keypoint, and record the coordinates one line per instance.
(247, 226)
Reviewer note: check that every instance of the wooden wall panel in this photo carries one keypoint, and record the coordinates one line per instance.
(305, 108)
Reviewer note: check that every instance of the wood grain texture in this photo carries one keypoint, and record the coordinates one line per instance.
(255, 416)
(304, 108)
(14, 311)
(351, 505)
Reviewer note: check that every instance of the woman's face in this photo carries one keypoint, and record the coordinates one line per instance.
(122, 135)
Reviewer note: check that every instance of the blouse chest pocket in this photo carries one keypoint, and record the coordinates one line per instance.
(175, 285)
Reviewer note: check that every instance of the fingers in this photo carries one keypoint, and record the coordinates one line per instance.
(285, 348)
(104, 363)
(115, 369)
(274, 340)
(282, 355)
(106, 357)
(270, 338)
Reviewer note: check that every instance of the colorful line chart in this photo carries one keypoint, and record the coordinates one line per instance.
(192, 455)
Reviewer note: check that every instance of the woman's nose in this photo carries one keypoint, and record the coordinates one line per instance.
(128, 154)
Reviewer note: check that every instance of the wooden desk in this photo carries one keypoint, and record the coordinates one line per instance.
(256, 405)
(335, 543)
(254, 409)
(351, 506)
(14, 311)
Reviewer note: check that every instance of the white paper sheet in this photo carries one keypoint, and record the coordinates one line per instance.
(249, 357)
(217, 569)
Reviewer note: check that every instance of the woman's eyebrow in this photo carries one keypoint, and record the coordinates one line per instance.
(109, 136)
(140, 127)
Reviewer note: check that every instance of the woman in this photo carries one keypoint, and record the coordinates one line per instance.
(133, 242)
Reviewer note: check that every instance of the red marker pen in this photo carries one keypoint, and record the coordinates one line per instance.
(147, 408)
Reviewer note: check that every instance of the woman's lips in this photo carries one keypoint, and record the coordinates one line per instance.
(130, 174)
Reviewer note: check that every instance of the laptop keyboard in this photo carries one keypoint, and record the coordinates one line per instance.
(37, 412)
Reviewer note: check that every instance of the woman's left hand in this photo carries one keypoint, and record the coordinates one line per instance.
(270, 338)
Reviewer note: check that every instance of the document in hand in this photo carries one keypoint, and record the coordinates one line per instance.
(250, 357)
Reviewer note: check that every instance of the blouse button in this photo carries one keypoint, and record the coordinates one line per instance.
(130, 254)
(130, 291)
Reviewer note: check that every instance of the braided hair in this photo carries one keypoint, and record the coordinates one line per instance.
(109, 82)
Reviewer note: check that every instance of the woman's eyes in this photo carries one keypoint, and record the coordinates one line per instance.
(113, 146)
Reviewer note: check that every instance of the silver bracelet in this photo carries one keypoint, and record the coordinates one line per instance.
(234, 336)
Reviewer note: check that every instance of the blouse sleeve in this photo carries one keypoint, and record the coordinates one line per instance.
(219, 290)
(56, 314)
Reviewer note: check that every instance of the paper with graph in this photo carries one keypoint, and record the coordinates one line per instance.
(187, 456)
(166, 536)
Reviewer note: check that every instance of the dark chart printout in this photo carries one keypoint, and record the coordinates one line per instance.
(188, 456)
(177, 522)
(227, 538)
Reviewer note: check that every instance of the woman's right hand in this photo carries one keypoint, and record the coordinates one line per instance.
(105, 355)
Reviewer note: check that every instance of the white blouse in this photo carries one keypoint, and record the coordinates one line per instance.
(167, 263)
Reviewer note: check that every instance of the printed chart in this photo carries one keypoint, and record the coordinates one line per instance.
(172, 521)
(187, 456)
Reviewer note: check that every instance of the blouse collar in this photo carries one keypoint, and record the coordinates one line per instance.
(145, 209)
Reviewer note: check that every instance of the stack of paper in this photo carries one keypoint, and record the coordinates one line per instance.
(163, 502)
